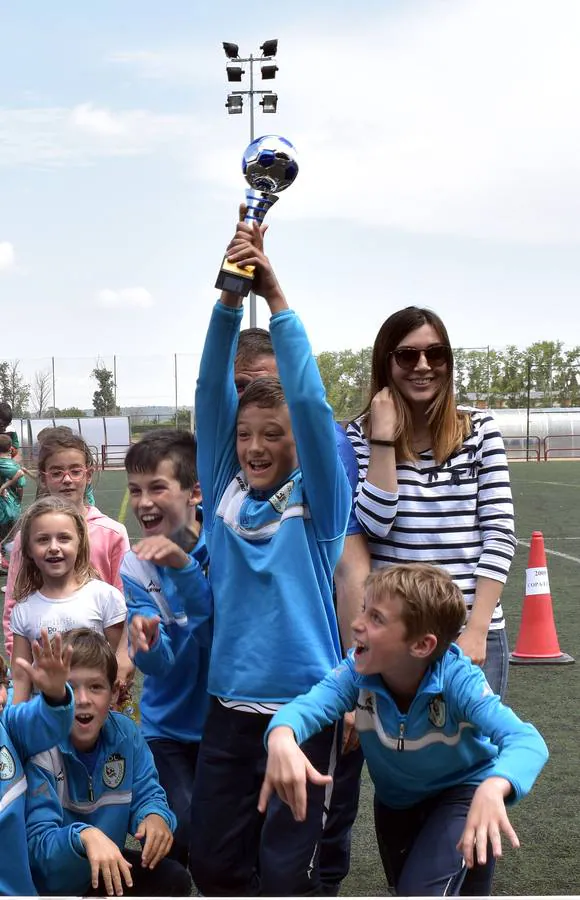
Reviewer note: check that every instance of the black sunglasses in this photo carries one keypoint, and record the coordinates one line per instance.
(408, 357)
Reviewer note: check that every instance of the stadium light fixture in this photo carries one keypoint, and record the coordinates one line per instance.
(269, 103)
(269, 71)
(269, 48)
(231, 50)
(234, 104)
(234, 73)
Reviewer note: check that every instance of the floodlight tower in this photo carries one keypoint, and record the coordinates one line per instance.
(235, 99)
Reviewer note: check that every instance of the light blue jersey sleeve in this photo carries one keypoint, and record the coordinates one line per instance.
(195, 591)
(52, 845)
(348, 457)
(324, 477)
(522, 749)
(325, 703)
(216, 408)
(36, 726)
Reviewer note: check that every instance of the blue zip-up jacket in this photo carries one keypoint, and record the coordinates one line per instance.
(456, 731)
(25, 729)
(272, 557)
(63, 800)
(174, 701)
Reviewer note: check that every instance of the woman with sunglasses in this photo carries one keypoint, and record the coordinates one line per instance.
(433, 479)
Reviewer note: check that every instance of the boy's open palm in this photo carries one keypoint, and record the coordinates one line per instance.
(50, 669)
(105, 858)
(162, 551)
(486, 819)
(288, 772)
(158, 839)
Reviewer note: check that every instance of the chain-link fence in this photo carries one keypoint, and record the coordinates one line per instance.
(148, 388)
(157, 388)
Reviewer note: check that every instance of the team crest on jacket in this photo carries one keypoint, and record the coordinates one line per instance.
(437, 711)
(114, 770)
(7, 764)
(280, 499)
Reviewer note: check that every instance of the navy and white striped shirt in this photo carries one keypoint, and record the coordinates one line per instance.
(458, 515)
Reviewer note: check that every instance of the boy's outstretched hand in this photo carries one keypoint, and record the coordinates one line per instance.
(158, 839)
(288, 772)
(106, 859)
(143, 632)
(162, 551)
(486, 819)
(50, 669)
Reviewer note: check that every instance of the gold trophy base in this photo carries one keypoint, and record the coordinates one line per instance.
(235, 279)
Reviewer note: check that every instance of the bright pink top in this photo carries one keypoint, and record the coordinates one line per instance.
(109, 542)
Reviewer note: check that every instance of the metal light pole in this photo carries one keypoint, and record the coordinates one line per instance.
(235, 102)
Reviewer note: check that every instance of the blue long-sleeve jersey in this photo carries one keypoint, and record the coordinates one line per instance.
(174, 701)
(349, 461)
(271, 557)
(64, 799)
(25, 729)
(456, 731)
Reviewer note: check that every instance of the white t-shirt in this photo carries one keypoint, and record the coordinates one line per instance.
(96, 605)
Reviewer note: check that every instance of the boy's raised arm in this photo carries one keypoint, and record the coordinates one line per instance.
(216, 405)
(325, 480)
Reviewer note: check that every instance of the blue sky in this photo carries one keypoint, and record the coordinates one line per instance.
(439, 152)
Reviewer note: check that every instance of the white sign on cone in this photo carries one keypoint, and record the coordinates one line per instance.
(537, 581)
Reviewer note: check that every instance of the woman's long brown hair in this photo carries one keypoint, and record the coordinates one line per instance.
(448, 426)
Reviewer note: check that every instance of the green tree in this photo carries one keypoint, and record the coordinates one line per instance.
(567, 379)
(477, 375)
(512, 379)
(13, 388)
(545, 364)
(70, 412)
(183, 419)
(460, 375)
(104, 398)
(346, 375)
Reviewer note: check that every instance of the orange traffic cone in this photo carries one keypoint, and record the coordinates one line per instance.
(537, 641)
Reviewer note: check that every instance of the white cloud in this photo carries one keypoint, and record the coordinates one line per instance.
(88, 118)
(125, 297)
(58, 136)
(7, 256)
(449, 118)
(434, 117)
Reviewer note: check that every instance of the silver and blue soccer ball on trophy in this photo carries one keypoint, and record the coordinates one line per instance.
(270, 164)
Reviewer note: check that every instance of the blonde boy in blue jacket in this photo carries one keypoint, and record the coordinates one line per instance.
(444, 753)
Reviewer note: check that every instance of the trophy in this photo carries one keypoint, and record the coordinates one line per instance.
(269, 166)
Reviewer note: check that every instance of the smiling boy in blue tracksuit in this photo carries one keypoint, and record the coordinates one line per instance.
(276, 504)
(169, 607)
(95, 787)
(24, 730)
(444, 754)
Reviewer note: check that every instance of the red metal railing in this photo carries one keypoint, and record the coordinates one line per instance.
(568, 444)
(113, 456)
